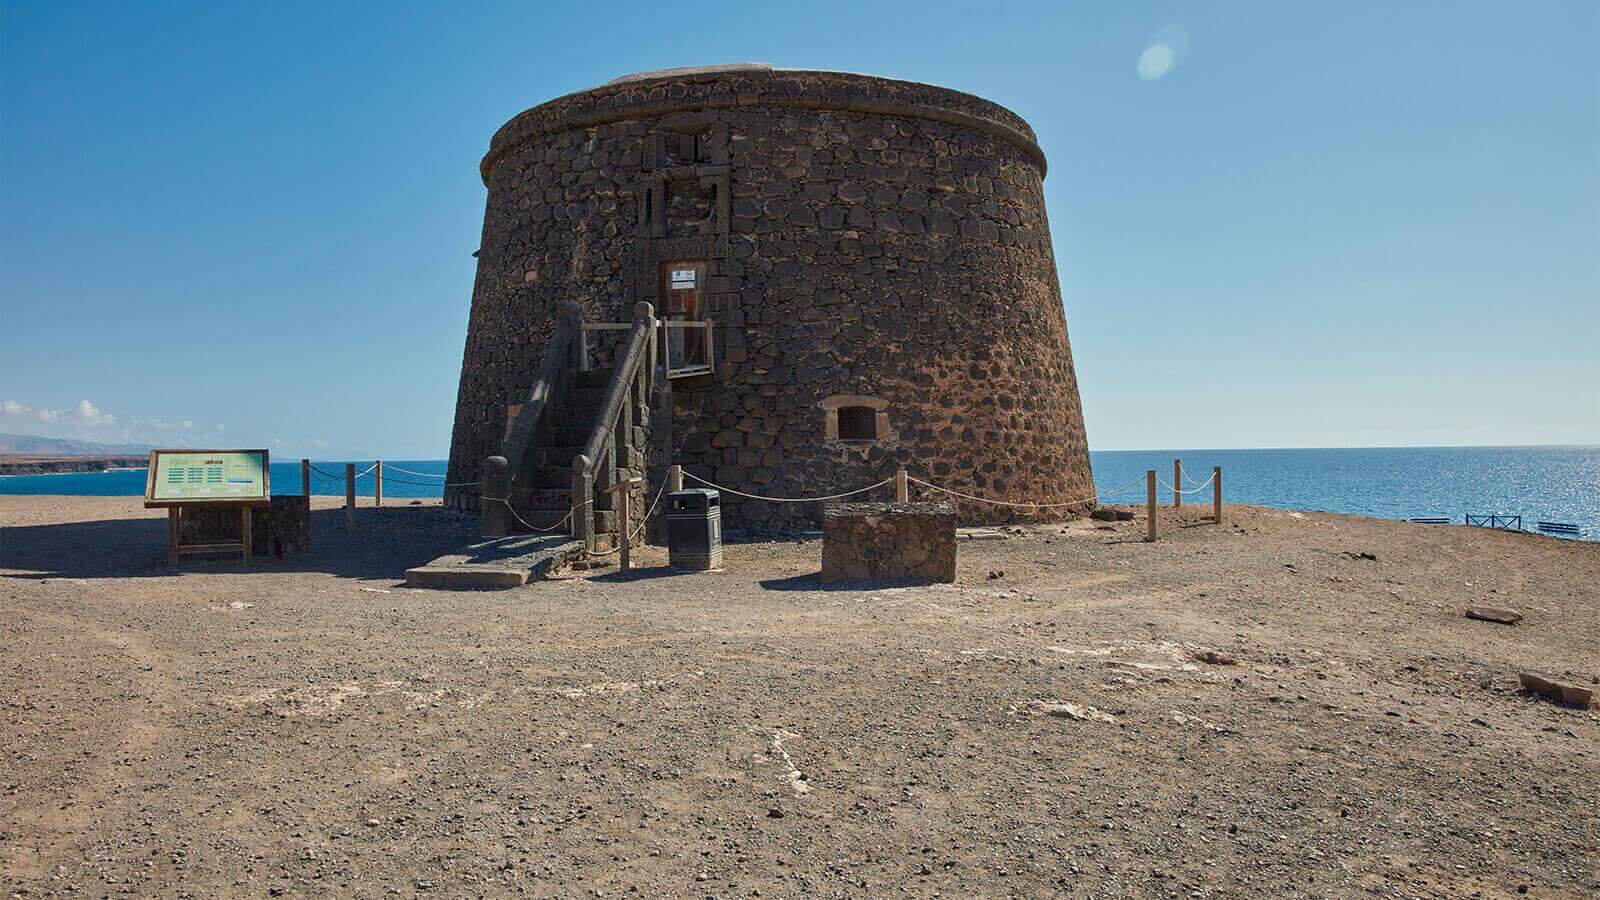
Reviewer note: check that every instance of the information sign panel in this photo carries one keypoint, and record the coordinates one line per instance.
(206, 476)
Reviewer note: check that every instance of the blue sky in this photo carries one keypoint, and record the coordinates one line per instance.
(1277, 224)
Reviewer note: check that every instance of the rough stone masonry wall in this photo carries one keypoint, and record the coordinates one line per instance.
(889, 542)
(882, 239)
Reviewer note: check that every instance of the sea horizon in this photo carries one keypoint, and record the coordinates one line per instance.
(1538, 482)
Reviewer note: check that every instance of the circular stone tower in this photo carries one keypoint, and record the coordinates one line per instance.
(870, 258)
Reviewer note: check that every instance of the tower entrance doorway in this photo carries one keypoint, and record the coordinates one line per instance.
(683, 315)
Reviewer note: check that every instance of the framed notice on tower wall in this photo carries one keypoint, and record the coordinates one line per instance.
(192, 477)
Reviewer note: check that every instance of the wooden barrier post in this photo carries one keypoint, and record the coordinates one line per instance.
(1177, 483)
(1216, 495)
(377, 469)
(1150, 504)
(624, 522)
(350, 497)
(246, 522)
(624, 491)
(173, 516)
(902, 490)
(305, 479)
(674, 483)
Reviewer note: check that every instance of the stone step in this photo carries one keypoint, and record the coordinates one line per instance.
(497, 563)
(556, 456)
(543, 498)
(586, 397)
(550, 478)
(574, 435)
(538, 516)
(593, 378)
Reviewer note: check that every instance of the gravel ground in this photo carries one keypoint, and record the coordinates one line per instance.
(1245, 710)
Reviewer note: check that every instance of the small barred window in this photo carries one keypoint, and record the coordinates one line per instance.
(858, 423)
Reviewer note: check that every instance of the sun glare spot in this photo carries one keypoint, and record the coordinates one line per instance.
(1164, 51)
(1155, 61)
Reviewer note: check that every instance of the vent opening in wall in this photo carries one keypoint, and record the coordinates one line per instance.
(858, 423)
(850, 417)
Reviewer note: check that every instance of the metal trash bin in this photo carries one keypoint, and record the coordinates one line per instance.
(694, 529)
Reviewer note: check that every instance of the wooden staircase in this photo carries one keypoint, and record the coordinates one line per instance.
(541, 493)
(580, 431)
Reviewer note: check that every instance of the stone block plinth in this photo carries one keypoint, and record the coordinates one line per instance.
(889, 542)
(281, 528)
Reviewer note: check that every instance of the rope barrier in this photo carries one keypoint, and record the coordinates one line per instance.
(387, 480)
(1090, 499)
(1189, 491)
(688, 474)
(644, 523)
(394, 468)
(431, 484)
(507, 501)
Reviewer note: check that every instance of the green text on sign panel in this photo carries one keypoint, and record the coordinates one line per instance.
(213, 475)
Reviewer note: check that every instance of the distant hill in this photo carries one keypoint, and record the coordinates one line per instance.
(36, 445)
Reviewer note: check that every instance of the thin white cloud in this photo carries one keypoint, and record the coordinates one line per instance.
(86, 413)
(86, 420)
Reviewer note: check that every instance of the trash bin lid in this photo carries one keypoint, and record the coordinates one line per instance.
(693, 498)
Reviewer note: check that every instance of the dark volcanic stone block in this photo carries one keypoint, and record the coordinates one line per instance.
(889, 542)
(279, 530)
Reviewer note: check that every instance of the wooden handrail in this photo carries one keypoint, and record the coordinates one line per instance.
(634, 354)
(569, 326)
(634, 365)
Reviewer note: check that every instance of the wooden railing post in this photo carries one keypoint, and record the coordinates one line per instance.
(377, 471)
(495, 515)
(624, 520)
(902, 490)
(1150, 504)
(350, 497)
(305, 480)
(1177, 483)
(674, 478)
(582, 505)
(1216, 495)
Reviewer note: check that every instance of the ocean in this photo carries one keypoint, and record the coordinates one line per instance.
(1553, 484)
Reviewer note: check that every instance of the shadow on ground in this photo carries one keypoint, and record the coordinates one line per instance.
(385, 543)
(814, 582)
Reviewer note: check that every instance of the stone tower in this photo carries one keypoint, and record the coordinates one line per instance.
(865, 266)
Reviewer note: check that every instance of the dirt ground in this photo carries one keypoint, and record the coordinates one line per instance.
(1245, 710)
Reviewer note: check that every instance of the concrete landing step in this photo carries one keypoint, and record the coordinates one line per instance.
(496, 563)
